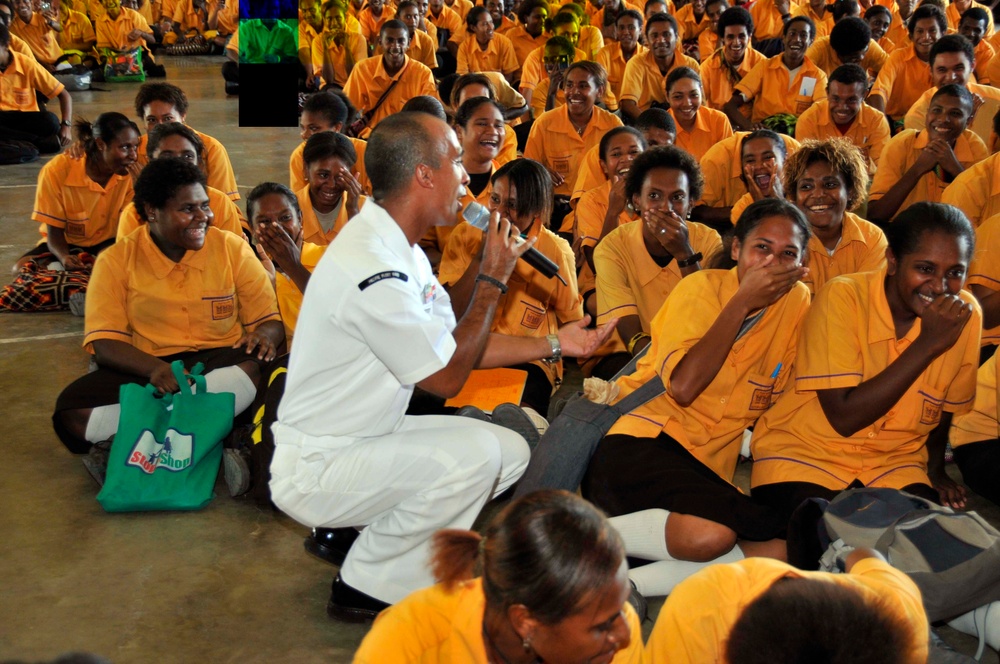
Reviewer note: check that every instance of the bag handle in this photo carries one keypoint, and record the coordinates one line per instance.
(177, 366)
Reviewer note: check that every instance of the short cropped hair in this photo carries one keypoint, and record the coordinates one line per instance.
(655, 118)
(851, 74)
(850, 35)
(159, 182)
(953, 44)
(398, 145)
(663, 17)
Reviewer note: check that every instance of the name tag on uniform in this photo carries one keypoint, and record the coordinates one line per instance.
(223, 307)
(808, 86)
(375, 278)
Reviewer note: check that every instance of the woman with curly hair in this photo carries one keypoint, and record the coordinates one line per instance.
(825, 179)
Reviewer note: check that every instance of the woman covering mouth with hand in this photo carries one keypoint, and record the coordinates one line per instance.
(762, 157)
(332, 195)
(825, 180)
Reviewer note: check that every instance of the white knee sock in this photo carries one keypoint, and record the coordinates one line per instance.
(235, 380)
(103, 423)
(644, 533)
(659, 578)
(984, 621)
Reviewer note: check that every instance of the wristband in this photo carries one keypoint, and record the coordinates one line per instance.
(638, 336)
(493, 282)
(690, 260)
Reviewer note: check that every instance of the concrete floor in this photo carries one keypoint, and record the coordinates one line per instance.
(230, 583)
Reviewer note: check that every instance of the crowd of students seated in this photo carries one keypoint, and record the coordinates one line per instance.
(787, 212)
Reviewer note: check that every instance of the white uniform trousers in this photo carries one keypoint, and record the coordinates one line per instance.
(434, 472)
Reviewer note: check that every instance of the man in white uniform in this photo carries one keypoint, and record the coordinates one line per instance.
(374, 323)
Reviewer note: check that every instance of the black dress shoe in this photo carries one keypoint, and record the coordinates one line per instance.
(331, 544)
(349, 604)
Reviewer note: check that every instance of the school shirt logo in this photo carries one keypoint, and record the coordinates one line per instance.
(173, 454)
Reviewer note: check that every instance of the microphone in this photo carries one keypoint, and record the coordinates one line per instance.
(478, 216)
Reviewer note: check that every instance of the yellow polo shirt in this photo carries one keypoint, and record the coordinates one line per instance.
(719, 82)
(643, 83)
(869, 131)
(368, 80)
(767, 85)
(553, 142)
(904, 77)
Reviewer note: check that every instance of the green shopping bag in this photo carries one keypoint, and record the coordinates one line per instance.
(167, 451)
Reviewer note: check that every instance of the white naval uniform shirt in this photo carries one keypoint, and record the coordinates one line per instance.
(374, 322)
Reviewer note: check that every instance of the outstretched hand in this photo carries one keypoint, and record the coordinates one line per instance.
(577, 340)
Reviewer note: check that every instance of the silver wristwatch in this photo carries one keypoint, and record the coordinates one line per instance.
(553, 340)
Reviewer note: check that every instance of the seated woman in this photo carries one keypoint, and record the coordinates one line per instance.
(762, 167)
(328, 110)
(78, 201)
(494, 86)
(723, 344)
(825, 180)
(535, 305)
(481, 130)
(885, 359)
(176, 289)
(545, 582)
(759, 610)
(560, 137)
(984, 280)
(276, 219)
(484, 50)
(698, 126)
(637, 265)
(174, 140)
(332, 194)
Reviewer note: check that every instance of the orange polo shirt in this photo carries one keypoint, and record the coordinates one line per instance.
(904, 148)
(371, 24)
(227, 215)
(297, 167)
(288, 294)
(590, 212)
(524, 43)
(43, 40)
(698, 616)
(591, 41)
(869, 131)
(447, 20)
(18, 83)
(553, 141)
(215, 161)
(710, 127)
(980, 423)
(766, 20)
(916, 117)
(206, 300)
(19, 45)
(712, 427)
(721, 168)
(984, 270)
(976, 190)
(114, 34)
(438, 625)
(437, 237)
(898, 32)
(690, 27)
(534, 305)
(824, 57)
(460, 7)
(848, 338)
(498, 56)
(630, 282)
(984, 54)
(643, 83)
(719, 83)
(312, 230)
(229, 19)
(77, 30)
(67, 198)
(354, 44)
(887, 44)
(954, 16)
(190, 18)
(903, 78)
(307, 34)
(610, 57)
(369, 80)
(767, 85)
(823, 25)
(861, 249)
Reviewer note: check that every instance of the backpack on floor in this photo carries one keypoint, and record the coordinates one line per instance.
(953, 557)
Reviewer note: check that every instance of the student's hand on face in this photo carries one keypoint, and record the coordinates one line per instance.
(756, 193)
(768, 281)
(669, 230)
(578, 341)
(617, 201)
(952, 494)
(133, 170)
(942, 322)
(349, 183)
(278, 245)
(265, 348)
(265, 260)
(162, 378)
(501, 250)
